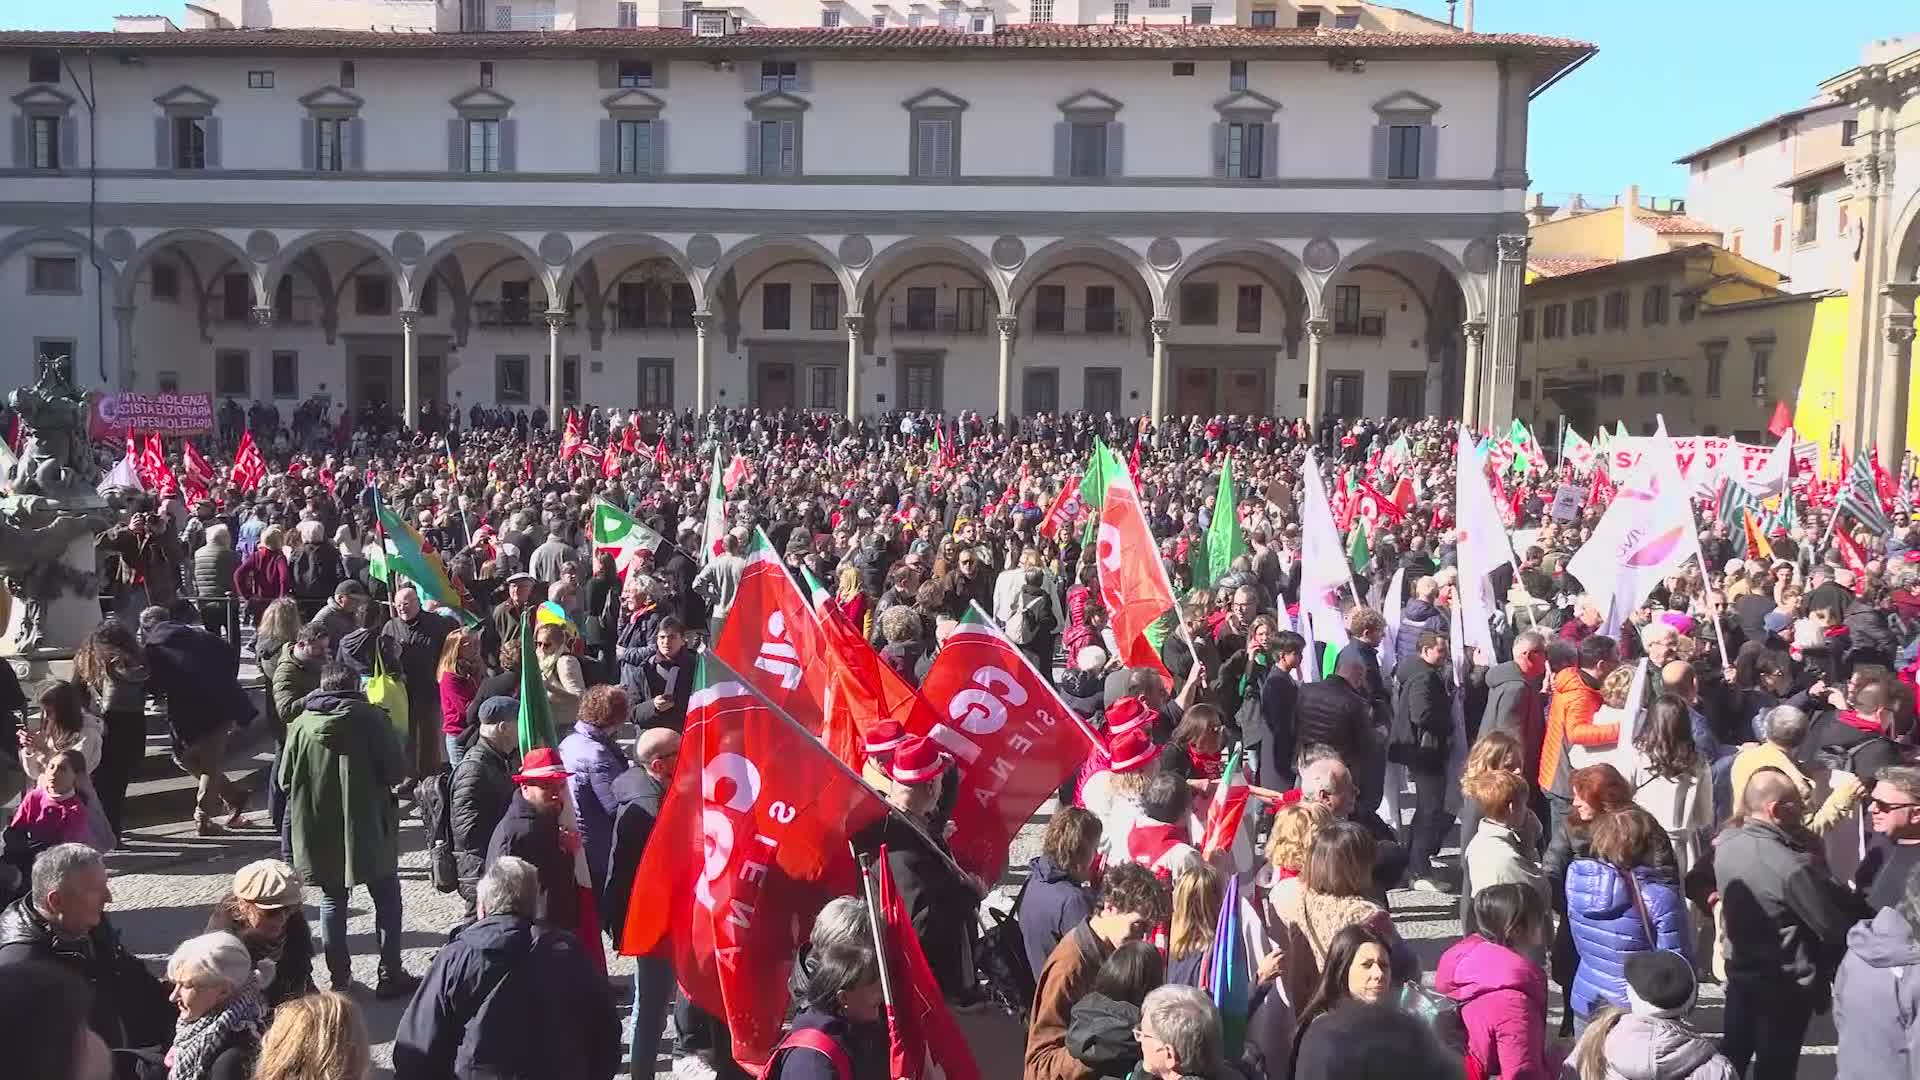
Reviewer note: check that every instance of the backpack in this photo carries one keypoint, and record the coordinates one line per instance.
(1000, 955)
(1020, 626)
(434, 796)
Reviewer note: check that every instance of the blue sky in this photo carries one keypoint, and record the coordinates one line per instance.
(1671, 76)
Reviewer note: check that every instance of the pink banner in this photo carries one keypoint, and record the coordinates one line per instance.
(110, 416)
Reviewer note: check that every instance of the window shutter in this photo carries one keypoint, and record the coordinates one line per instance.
(507, 162)
(789, 148)
(943, 148)
(1062, 150)
(609, 147)
(753, 148)
(1116, 149)
(1270, 151)
(356, 145)
(803, 76)
(1378, 167)
(1219, 150)
(609, 73)
(20, 145)
(456, 145)
(660, 74)
(69, 142)
(213, 141)
(750, 76)
(923, 147)
(163, 142)
(658, 129)
(1429, 151)
(309, 144)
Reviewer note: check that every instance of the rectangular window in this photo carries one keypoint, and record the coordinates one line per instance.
(1246, 150)
(1403, 152)
(286, 374)
(779, 147)
(970, 310)
(950, 19)
(1088, 151)
(920, 384)
(915, 20)
(570, 380)
(1199, 303)
(346, 74)
(636, 73)
(516, 303)
(483, 146)
(656, 384)
(486, 74)
(1237, 69)
(1202, 14)
(829, 18)
(1617, 310)
(510, 380)
(1646, 383)
(236, 298)
(1102, 317)
(372, 295)
(1614, 385)
(1050, 309)
(922, 308)
(680, 306)
(1347, 21)
(43, 67)
(1653, 305)
(1716, 368)
(776, 306)
(636, 147)
(779, 75)
(1306, 20)
(1121, 13)
(189, 142)
(1779, 233)
(1553, 324)
(1583, 315)
(1807, 207)
(823, 307)
(879, 20)
(1346, 309)
(1263, 19)
(630, 306)
(1246, 315)
(330, 136)
(168, 382)
(43, 142)
(1739, 238)
(1526, 325)
(1842, 217)
(54, 274)
(1523, 389)
(1686, 305)
(259, 80)
(1182, 69)
(627, 14)
(933, 150)
(823, 387)
(1849, 131)
(165, 282)
(230, 373)
(1040, 11)
(1762, 360)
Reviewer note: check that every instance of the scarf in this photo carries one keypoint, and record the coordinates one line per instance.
(1206, 766)
(197, 1042)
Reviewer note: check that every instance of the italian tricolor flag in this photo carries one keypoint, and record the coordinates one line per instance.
(619, 533)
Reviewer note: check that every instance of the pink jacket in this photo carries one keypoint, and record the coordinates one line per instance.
(1503, 999)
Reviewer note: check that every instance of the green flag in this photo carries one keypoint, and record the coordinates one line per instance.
(1357, 552)
(536, 716)
(1224, 540)
(1620, 429)
(403, 551)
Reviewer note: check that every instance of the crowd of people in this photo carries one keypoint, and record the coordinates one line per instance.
(1719, 788)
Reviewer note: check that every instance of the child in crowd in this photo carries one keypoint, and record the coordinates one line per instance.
(58, 810)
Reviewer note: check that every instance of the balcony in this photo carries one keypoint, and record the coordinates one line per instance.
(505, 18)
(1367, 324)
(950, 320)
(1082, 322)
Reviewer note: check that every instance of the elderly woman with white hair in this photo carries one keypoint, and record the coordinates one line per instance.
(1180, 1036)
(217, 987)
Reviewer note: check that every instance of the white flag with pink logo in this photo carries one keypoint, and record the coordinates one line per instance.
(1647, 533)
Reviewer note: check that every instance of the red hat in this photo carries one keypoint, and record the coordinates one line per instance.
(1127, 714)
(917, 760)
(542, 766)
(883, 738)
(1131, 749)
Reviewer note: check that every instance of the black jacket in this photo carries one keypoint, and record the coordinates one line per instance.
(1422, 716)
(418, 645)
(481, 791)
(1336, 715)
(942, 906)
(1100, 1036)
(1082, 690)
(528, 834)
(293, 957)
(500, 684)
(509, 999)
(1279, 711)
(637, 796)
(1786, 916)
(653, 675)
(199, 675)
(130, 1007)
(1379, 701)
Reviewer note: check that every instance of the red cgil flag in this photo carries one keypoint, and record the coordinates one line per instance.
(751, 842)
(920, 1030)
(610, 461)
(630, 439)
(1782, 421)
(861, 687)
(772, 639)
(736, 472)
(1850, 552)
(154, 457)
(1064, 512)
(1013, 740)
(573, 439)
(1133, 583)
(249, 468)
(661, 459)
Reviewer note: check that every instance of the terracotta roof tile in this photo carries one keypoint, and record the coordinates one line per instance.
(1672, 224)
(1039, 37)
(1548, 266)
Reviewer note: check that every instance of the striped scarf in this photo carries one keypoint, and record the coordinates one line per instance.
(196, 1043)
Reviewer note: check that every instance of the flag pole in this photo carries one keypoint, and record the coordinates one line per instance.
(1699, 553)
(875, 927)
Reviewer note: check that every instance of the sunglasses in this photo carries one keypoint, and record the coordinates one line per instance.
(1881, 806)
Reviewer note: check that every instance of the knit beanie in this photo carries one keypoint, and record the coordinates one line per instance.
(1660, 983)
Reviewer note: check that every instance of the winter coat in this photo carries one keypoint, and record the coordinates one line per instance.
(526, 833)
(1570, 722)
(130, 1007)
(1279, 711)
(1876, 1000)
(944, 908)
(1335, 714)
(293, 680)
(635, 640)
(865, 1045)
(213, 569)
(261, 578)
(1306, 923)
(1652, 1048)
(1422, 716)
(152, 563)
(292, 955)
(1054, 904)
(199, 675)
(418, 643)
(1416, 618)
(1607, 927)
(566, 684)
(637, 795)
(1518, 707)
(1063, 980)
(595, 761)
(337, 621)
(509, 999)
(1785, 914)
(1503, 1000)
(1499, 855)
(654, 676)
(482, 788)
(1082, 690)
(1100, 1036)
(339, 768)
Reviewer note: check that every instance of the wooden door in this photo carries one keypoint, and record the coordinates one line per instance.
(774, 387)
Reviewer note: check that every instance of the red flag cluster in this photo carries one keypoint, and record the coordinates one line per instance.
(150, 464)
(249, 468)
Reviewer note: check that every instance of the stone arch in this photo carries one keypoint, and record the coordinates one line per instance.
(1906, 242)
(131, 272)
(1062, 252)
(445, 248)
(282, 261)
(16, 242)
(914, 252)
(1474, 292)
(1242, 253)
(656, 248)
(813, 248)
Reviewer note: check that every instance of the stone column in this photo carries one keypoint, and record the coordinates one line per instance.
(1006, 324)
(1158, 398)
(1316, 337)
(555, 404)
(856, 324)
(1503, 326)
(409, 370)
(1896, 368)
(702, 324)
(1476, 335)
(1863, 384)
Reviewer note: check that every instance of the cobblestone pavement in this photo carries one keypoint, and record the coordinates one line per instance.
(166, 879)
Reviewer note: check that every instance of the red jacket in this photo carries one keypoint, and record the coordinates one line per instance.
(262, 577)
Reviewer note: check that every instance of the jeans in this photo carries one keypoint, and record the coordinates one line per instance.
(1766, 1021)
(1430, 820)
(453, 751)
(277, 801)
(653, 988)
(386, 927)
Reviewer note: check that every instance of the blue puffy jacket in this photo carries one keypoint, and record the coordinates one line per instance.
(1607, 927)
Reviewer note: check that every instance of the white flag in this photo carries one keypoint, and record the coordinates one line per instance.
(1772, 478)
(1324, 571)
(1647, 533)
(716, 524)
(1483, 545)
(122, 475)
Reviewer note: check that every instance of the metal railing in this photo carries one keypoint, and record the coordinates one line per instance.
(1082, 321)
(949, 320)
